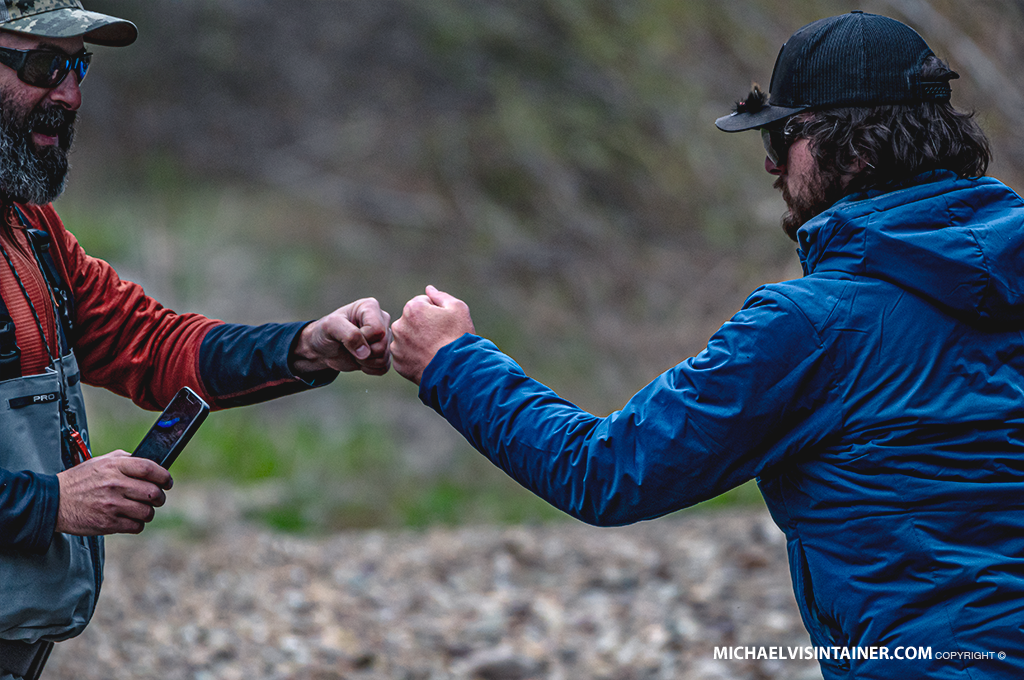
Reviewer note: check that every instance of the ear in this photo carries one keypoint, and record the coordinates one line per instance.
(855, 169)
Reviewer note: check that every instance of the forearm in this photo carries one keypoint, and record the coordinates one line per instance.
(242, 365)
(132, 345)
(29, 504)
(760, 394)
(620, 469)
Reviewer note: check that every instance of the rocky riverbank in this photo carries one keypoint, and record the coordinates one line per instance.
(563, 601)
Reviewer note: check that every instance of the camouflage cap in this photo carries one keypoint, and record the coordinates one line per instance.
(65, 19)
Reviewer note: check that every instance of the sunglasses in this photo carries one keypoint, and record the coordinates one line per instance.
(779, 137)
(45, 68)
(776, 143)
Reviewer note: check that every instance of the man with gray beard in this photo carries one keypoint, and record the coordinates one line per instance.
(67, 318)
(29, 174)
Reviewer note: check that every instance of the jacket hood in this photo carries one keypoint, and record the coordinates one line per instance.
(956, 242)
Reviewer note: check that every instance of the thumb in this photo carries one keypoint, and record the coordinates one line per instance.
(357, 346)
(439, 297)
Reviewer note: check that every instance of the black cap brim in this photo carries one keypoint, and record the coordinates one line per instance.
(768, 114)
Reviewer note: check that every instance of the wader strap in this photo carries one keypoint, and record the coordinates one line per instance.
(23, 659)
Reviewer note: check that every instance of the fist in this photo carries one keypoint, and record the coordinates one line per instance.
(355, 337)
(428, 323)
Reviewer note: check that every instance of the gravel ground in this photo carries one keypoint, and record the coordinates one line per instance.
(563, 601)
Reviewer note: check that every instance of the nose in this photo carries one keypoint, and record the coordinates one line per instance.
(68, 94)
(772, 168)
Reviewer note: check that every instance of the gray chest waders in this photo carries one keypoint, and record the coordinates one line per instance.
(52, 596)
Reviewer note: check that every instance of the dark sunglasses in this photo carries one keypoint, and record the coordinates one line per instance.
(774, 145)
(778, 138)
(45, 68)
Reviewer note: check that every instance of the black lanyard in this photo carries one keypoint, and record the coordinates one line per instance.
(60, 295)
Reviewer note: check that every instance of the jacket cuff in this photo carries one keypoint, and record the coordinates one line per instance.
(29, 502)
(243, 365)
(439, 372)
(319, 378)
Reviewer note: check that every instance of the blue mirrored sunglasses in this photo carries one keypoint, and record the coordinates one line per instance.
(45, 68)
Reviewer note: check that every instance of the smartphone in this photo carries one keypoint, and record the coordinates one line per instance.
(173, 428)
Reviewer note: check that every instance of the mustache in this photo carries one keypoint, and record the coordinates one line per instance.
(53, 120)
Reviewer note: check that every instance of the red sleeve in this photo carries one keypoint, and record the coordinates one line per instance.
(126, 341)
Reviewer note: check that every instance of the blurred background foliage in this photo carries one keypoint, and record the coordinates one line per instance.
(552, 162)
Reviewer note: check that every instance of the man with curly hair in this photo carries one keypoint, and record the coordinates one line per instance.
(878, 401)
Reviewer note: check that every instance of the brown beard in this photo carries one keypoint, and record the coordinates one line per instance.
(825, 188)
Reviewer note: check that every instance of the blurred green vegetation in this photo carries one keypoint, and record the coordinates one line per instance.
(552, 162)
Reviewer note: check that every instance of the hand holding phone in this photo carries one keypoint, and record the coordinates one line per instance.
(174, 428)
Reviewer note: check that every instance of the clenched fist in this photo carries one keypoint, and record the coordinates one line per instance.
(428, 323)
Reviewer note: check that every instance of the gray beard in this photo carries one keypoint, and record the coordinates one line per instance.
(27, 174)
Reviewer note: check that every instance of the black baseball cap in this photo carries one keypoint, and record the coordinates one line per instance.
(854, 59)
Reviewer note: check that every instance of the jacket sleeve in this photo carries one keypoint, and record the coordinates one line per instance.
(246, 364)
(130, 344)
(28, 510)
(759, 394)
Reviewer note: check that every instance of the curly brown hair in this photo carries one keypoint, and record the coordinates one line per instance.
(881, 145)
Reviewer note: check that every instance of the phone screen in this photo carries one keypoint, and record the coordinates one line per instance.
(173, 428)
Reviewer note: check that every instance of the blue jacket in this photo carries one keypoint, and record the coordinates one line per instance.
(879, 402)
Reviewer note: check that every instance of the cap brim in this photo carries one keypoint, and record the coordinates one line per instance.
(67, 22)
(737, 122)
